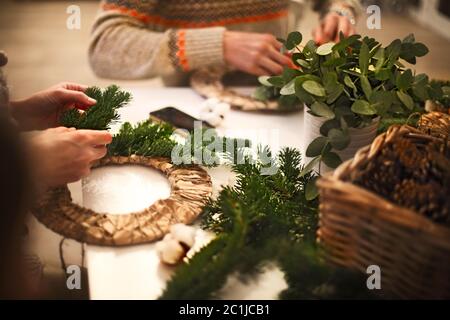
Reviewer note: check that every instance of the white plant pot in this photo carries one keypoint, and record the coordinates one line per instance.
(359, 137)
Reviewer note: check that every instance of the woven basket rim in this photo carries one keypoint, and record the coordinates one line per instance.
(403, 216)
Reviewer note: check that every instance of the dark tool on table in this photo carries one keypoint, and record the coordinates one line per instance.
(177, 118)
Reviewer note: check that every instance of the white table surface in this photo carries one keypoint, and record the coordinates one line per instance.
(135, 272)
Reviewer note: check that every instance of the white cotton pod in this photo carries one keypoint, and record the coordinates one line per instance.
(205, 108)
(213, 101)
(212, 118)
(208, 105)
(183, 233)
(222, 108)
(202, 239)
(169, 250)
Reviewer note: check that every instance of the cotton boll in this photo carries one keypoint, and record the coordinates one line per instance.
(212, 118)
(202, 239)
(170, 251)
(209, 104)
(213, 101)
(183, 233)
(222, 108)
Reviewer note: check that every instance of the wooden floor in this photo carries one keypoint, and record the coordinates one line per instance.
(43, 51)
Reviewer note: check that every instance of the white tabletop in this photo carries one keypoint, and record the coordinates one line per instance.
(135, 272)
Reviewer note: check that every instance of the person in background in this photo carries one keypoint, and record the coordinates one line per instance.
(33, 160)
(135, 39)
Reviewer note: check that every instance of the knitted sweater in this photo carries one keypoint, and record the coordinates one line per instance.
(135, 39)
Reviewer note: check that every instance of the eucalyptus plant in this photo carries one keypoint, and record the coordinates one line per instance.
(349, 84)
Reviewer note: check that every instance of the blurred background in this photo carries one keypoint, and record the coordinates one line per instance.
(43, 52)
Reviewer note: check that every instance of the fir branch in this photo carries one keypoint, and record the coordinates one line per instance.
(155, 140)
(102, 114)
(144, 139)
(277, 202)
(208, 270)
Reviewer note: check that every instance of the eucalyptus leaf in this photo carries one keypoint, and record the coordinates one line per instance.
(322, 110)
(363, 107)
(310, 166)
(311, 191)
(406, 99)
(303, 63)
(314, 88)
(332, 160)
(349, 83)
(264, 80)
(293, 40)
(420, 49)
(393, 51)
(383, 74)
(334, 95)
(328, 125)
(338, 139)
(288, 89)
(276, 81)
(364, 59)
(367, 88)
(316, 146)
(289, 74)
(404, 80)
(325, 49)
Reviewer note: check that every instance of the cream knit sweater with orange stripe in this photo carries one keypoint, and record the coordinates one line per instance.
(136, 39)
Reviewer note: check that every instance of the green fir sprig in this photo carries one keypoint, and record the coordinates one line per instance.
(102, 114)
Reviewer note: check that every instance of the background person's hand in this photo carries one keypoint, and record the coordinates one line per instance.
(330, 27)
(255, 53)
(43, 109)
(63, 155)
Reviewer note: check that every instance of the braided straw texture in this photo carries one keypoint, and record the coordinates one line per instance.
(359, 228)
(190, 188)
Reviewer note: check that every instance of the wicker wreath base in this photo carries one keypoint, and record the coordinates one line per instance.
(208, 83)
(190, 188)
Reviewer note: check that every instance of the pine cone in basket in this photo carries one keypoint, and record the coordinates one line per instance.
(412, 174)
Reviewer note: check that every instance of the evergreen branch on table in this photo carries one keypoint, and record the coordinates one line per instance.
(102, 114)
(208, 270)
(155, 140)
(264, 220)
(278, 203)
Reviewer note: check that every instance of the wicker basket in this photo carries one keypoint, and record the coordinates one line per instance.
(358, 228)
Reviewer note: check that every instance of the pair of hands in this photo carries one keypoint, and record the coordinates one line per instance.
(60, 155)
(259, 54)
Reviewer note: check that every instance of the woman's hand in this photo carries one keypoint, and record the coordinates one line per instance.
(254, 53)
(330, 27)
(43, 109)
(62, 155)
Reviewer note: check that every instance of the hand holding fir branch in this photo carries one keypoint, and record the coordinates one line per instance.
(43, 109)
(62, 155)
